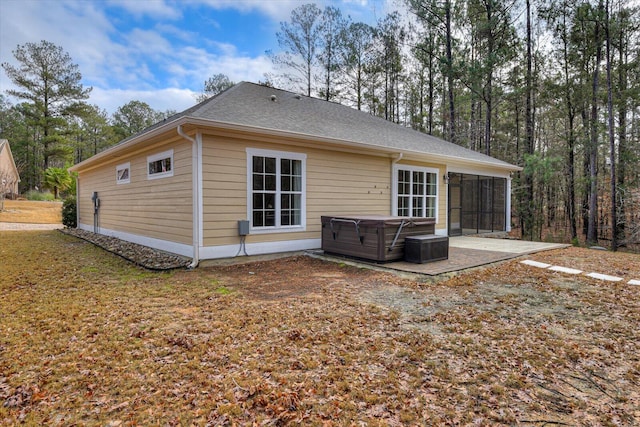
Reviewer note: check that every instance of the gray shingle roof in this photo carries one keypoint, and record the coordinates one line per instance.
(250, 104)
(261, 107)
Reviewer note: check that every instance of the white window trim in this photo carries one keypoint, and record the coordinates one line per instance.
(122, 167)
(160, 156)
(251, 152)
(394, 183)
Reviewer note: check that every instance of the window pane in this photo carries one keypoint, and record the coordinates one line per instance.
(258, 164)
(285, 218)
(285, 167)
(285, 183)
(284, 201)
(258, 201)
(432, 186)
(296, 201)
(258, 182)
(417, 206)
(418, 188)
(431, 207)
(270, 182)
(123, 174)
(270, 165)
(295, 218)
(269, 201)
(258, 219)
(296, 183)
(269, 218)
(297, 167)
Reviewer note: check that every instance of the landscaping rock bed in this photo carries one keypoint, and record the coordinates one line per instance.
(143, 256)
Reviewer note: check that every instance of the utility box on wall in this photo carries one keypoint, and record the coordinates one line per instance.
(243, 227)
(426, 248)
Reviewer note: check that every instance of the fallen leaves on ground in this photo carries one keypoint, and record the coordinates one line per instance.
(87, 338)
(31, 212)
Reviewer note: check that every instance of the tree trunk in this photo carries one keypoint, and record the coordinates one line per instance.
(450, 88)
(571, 138)
(612, 145)
(592, 228)
(623, 154)
(527, 222)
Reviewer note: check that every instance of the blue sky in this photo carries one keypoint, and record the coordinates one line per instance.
(159, 51)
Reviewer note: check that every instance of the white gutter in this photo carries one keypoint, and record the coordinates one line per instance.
(195, 172)
(399, 157)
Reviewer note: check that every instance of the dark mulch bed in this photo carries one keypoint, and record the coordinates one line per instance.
(143, 256)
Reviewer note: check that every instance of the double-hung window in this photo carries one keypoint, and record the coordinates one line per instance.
(416, 191)
(276, 195)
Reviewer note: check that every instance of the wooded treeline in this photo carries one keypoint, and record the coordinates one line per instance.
(549, 85)
(552, 86)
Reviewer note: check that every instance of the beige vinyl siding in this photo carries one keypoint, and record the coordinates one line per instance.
(336, 183)
(157, 208)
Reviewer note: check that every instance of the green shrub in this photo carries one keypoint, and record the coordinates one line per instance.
(69, 212)
(39, 196)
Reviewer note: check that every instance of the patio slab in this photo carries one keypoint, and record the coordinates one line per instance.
(520, 247)
(469, 252)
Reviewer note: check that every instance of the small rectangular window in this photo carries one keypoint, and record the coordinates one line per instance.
(160, 165)
(123, 173)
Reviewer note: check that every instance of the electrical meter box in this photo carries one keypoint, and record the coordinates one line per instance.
(243, 227)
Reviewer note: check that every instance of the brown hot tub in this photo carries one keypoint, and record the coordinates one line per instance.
(373, 237)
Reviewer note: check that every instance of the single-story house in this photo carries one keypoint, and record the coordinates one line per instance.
(280, 161)
(9, 176)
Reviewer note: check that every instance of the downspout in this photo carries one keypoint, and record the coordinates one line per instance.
(195, 172)
(397, 159)
(77, 200)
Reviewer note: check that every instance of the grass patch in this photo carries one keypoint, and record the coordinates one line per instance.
(222, 290)
(90, 339)
(32, 212)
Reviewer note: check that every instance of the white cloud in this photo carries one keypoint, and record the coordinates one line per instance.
(161, 100)
(164, 64)
(278, 10)
(152, 8)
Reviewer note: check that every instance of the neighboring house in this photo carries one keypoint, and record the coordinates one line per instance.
(9, 177)
(281, 161)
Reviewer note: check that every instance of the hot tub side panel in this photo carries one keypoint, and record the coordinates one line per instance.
(372, 239)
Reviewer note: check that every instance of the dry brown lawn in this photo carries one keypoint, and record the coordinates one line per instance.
(31, 212)
(88, 339)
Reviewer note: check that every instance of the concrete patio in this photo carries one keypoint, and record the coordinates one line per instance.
(464, 252)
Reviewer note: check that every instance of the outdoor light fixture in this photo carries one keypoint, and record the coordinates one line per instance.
(446, 178)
